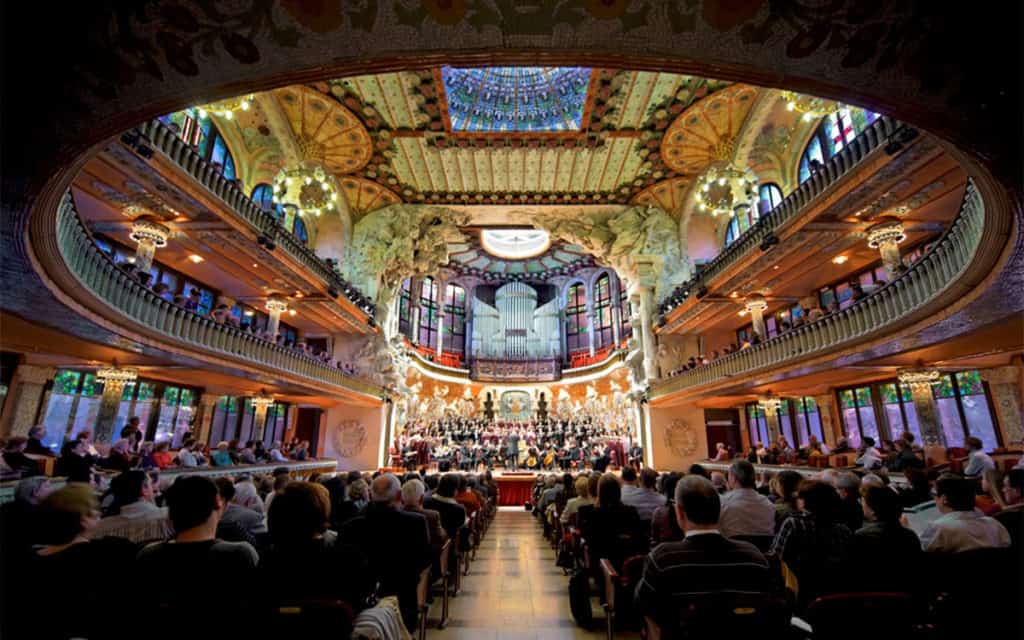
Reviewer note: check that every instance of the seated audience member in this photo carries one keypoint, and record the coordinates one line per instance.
(298, 521)
(68, 556)
(35, 445)
(301, 451)
(467, 497)
(246, 455)
(703, 566)
(146, 461)
(395, 541)
(222, 456)
(883, 555)
(745, 512)
(645, 498)
(842, 446)
(237, 523)
(281, 481)
(719, 481)
(978, 461)
(813, 542)
(784, 486)
(135, 515)
(850, 511)
(412, 501)
(246, 494)
(990, 499)
(275, 454)
(721, 452)
(583, 497)
(905, 457)
(664, 524)
(698, 470)
(453, 514)
(187, 456)
(120, 457)
(19, 520)
(74, 462)
(162, 456)
(548, 494)
(612, 529)
(960, 527)
(918, 490)
(1012, 515)
(869, 456)
(15, 458)
(185, 570)
(359, 493)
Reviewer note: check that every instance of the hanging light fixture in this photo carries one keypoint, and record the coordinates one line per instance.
(263, 401)
(726, 190)
(918, 376)
(116, 377)
(811, 107)
(310, 189)
(225, 108)
(769, 402)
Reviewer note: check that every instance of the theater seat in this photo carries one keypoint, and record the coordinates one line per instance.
(720, 616)
(893, 615)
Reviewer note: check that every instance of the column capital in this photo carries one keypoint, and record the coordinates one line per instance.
(1000, 375)
(208, 399)
(35, 374)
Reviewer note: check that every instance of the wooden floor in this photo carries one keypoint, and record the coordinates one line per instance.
(514, 590)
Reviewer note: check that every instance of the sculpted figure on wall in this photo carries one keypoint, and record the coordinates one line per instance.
(564, 404)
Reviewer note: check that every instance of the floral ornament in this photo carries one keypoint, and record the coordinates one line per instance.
(446, 12)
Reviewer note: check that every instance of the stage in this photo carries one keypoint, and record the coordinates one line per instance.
(515, 488)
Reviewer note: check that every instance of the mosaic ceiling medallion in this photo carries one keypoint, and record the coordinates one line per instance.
(515, 244)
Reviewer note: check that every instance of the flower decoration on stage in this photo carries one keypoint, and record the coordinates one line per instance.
(811, 107)
(729, 190)
(309, 189)
(226, 108)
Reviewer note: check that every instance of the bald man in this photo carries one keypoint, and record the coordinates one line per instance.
(397, 542)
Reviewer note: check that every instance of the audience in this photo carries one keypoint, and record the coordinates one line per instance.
(850, 512)
(74, 462)
(704, 565)
(664, 524)
(884, 555)
(15, 458)
(466, 496)
(412, 501)
(612, 529)
(120, 457)
(453, 514)
(135, 516)
(744, 511)
(222, 456)
(1012, 515)
(960, 527)
(644, 498)
(978, 461)
(236, 522)
(582, 497)
(35, 445)
(784, 487)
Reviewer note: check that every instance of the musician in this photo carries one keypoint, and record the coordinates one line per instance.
(531, 460)
(512, 451)
(548, 463)
(636, 455)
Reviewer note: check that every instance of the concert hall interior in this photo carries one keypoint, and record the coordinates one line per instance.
(579, 286)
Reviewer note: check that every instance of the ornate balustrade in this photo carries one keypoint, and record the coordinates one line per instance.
(888, 306)
(184, 156)
(876, 135)
(98, 274)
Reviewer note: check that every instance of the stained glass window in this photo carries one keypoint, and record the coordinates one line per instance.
(405, 308)
(732, 231)
(263, 197)
(757, 425)
(975, 409)
(835, 131)
(808, 420)
(492, 99)
(858, 415)
(428, 313)
(455, 319)
(603, 312)
(626, 311)
(576, 322)
(71, 407)
(769, 197)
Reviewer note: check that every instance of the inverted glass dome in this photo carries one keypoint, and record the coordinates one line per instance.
(495, 99)
(515, 244)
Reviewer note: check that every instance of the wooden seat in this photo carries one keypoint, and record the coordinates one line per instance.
(723, 615)
(422, 602)
(830, 616)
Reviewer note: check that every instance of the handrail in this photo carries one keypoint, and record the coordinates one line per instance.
(939, 268)
(874, 136)
(176, 150)
(96, 271)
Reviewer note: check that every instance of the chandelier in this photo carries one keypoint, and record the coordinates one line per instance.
(115, 377)
(889, 230)
(769, 403)
(276, 305)
(226, 108)
(146, 230)
(810, 106)
(727, 189)
(309, 189)
(262, 401)
(918, 376)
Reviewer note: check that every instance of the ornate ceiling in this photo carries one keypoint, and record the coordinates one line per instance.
(512, 135)
(471, 258)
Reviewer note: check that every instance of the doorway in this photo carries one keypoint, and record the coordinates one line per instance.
(307, 427)
(723, 425)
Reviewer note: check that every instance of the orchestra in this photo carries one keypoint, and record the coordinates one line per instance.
(467, 444)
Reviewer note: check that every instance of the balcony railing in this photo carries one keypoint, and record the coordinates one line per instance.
(915, 287)
(98, 274)
(175, 149)
(877, 134)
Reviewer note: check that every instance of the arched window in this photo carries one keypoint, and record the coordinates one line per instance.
(732, 231)
(455, 319)
(576, 323)
(836, 130)
(428, 313)
(626, 311)
(769, 197)
(603, 312)
(263, 197)
(212, 147)
(405, 309)
(299, 229)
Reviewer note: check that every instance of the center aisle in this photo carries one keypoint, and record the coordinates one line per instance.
(514, 591)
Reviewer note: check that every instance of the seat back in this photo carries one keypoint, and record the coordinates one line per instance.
(831, 616)
(728, 615)
(308, 617)
(763, 543)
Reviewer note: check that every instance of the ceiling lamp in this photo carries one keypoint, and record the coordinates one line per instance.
(729, 190)
(262, 401)
(811, 107)
(918, 376)
(226, 108)
(116, 377)
(769, 402)
(888, 231)
(309, 189)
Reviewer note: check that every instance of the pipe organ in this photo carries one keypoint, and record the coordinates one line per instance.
(514, 328)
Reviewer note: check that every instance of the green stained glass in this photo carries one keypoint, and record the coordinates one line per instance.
(907, 395)
(146, 391)
(888, 392)
(187, 398)
(784, 406)
(170, 396)
(846, 399)
(944, 387)
(66, 382)
(128, 391)
(90, 387)
(810, 404)
(864, 396)
(969, 383)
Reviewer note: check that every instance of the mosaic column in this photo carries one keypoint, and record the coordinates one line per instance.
(441, 290)
(204, 421)
(1004, 385)
(829, 426)
(920, 381)
(260, 405)
(26, 394)
(114, 381)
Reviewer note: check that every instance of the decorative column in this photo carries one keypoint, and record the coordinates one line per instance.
(442, 286)
(26, 393)
(756, 305)
(114, 380)
(770, 405)
(616, 307)
(920, 380)
(415, 287)
(647, 329)
(150, 234)
(1004, 385)
(886, 236)
(591, 323)
(204, 420)
(829, 421)
(275, 306)
(260, 405)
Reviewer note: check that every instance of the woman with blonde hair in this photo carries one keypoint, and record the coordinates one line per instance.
(990, 500)
(582, 498)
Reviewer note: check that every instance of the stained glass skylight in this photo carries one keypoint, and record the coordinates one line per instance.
(495, 99)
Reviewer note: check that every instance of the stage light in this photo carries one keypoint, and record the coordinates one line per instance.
(196, 258)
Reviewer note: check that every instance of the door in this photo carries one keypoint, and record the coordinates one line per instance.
(307, 427)
(723, 425)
